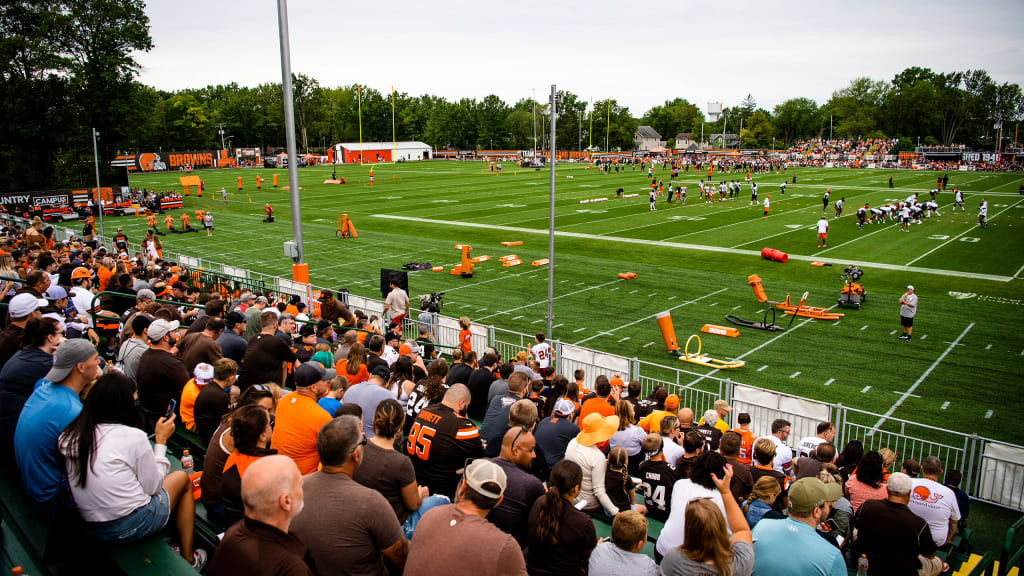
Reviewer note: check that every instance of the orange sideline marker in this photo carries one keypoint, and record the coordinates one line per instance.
(507, 258)
(438, 269)
(480, 259)
(540, 262)
(516, 243)
(510, 263)
(720, 330)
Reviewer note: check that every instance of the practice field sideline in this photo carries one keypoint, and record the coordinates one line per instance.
(959, 372)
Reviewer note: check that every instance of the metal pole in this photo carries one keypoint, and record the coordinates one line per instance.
(534, 126)
(289, 127)
(551, 215)
(96, 160)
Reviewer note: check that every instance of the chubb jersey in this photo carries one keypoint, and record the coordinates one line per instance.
(656, 481)
(440, 441)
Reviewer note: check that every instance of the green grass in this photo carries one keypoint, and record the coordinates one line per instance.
(419, 211)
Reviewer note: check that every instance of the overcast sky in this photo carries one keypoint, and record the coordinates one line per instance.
(640, 53)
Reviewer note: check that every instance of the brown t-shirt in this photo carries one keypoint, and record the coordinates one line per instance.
(160, 377)
(387, 472)
(262, 362)
(198, 348)
(448, 541)
(257, 549)
(345, 525)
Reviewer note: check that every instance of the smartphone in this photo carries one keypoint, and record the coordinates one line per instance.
(171, 406)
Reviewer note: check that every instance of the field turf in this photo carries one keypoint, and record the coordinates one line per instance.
(963, 370)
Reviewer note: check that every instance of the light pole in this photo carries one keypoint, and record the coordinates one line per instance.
(96, 161)
(551, 212)
(534, 125)
(289, 125)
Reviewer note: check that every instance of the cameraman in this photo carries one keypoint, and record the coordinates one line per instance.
(430, 305)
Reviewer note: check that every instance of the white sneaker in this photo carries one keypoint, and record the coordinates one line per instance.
(199, 559)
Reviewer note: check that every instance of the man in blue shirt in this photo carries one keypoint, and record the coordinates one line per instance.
(52, 406)
(792, 546)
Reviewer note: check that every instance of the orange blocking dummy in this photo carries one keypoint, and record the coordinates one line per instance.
(239, 182)
(346, 229)
(755, 282)
(667, 331)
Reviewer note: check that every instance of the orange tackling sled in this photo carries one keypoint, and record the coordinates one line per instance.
(806, 311)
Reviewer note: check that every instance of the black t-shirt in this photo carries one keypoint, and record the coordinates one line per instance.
(892, 537)
(440, 441)
(459, 374)
(418, 400)
(642, 406)
(513, 513)
(656, 480)
(232, 345)
(160, 377)
(571, 555)
(479, 383)
(262, 362)
(553, 434)
(211, 405)
(712, 436)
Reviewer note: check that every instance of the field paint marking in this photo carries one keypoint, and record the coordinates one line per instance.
(671, 297)
(545, 301)
(830, 380)
(795, 374)
(652, 316)
(988, 414)
(633, 291)
(737, 307)
(1018, 272)
(923, 337)
(579, 330)
(864, 327)
(517, 317)
(648, 344)
(480, 310)
(624, 339)
(614, 289)
(699, 247)
(762, 368)
(758, 347)
(893, 332)
(800, 229)
(538, 321)
(944, 405)
(961, 234)
(989, 347)
(562, 281)
(921, 379)
(652, 293)
(557, 326)
(464, 306)
(759, 311)
(898, 392)
(865, 390)
(713, 304)
(836, 322)
(851, 241)
(580, 283)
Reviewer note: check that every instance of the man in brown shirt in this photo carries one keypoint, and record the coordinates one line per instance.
(742, 481)
(261, 543)
(201, 347)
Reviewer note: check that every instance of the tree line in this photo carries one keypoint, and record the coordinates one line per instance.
(68, 67)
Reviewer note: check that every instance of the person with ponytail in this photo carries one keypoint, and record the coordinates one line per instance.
(20, 374)
(428, 391)
(250, 432)
(391, 472)
(759, 503)
(707, 547)
(561, 537)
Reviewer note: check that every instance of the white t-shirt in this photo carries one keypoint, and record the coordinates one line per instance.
(542, 352)
(673, 452)
(683, 491)
(389, 354)
(822, 226)
(766, 202)
(808, 445)
(983, 211)
(397, 302)
(936, 504)
(783, 456)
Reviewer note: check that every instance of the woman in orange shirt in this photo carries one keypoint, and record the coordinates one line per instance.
(251, 431)
(465, 336)
(354, 367)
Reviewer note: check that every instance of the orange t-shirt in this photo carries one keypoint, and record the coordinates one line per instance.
(297, 422)
(652, 422)
(361, 337)
(599, 405)
(188, 403)
(360, 376)
(102, 276)
(465, 340)
(747, 439)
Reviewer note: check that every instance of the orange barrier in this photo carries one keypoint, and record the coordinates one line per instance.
(480, 259)
(668, 333)
(507, 258)
(438, 268)
(755, 282)
(720, 330)
(275, 180)
(510, 263)
(627, 275)
(773, 254)
(540, 262)
(516, 243)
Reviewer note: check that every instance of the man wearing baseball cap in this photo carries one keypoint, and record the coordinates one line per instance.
(161, 375)
(908, 309)
(555, 432)
(299, 418)
(891, 535)
(652, 422)
(457, 538)
(51, 407)
(230, 340)
(21, 308)
(722, 408)
(806, 552)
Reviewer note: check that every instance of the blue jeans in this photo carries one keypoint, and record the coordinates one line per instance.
(429, 502)
(141, 523)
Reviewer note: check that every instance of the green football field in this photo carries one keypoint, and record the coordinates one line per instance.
(963, 370)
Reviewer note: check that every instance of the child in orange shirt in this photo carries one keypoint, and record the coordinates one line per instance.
(465, 336)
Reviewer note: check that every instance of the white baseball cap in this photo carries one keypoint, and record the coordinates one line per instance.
(24, 304)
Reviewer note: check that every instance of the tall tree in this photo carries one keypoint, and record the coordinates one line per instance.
(796, 118)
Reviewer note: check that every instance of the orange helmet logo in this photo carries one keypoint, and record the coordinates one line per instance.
(923, 494)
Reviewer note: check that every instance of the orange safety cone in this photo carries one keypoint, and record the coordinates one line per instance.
(239, 182)
(275, 180)
(668, 333)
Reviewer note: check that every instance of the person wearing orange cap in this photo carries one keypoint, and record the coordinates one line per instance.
(652, 422)
(583, 450)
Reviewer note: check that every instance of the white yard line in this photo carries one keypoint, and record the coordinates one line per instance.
(921, 379)
(961, 234)
(651, 316)
(545, 301)
(830, 380)
(701, 247)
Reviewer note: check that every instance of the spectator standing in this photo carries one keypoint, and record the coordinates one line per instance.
(457, 539)
(397, 303)
(299, 418)
(895, 540)
(583, 450)
(479, 384)
(806, 553)
(441, 440)
(908, 310)
(561, 537)
(541, 351)
(934, 502)
(121, 485)
(267, 357)
(349, 528)
(262, 543)
(554, 433)
(622, 555)
(161, 376)
(708, 542)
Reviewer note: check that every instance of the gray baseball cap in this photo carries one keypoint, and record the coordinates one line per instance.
(68, 355)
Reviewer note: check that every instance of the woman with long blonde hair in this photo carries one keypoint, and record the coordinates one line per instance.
(759, 503)
(707, 547)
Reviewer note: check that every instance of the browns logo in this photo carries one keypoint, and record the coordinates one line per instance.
(149, 161)
(923, 494)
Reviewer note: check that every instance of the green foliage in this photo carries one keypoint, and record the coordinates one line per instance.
(796, 118)
(673, 117)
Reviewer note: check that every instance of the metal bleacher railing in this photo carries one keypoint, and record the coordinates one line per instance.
(993, 471)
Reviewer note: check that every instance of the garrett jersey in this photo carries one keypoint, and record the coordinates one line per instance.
(440, 441)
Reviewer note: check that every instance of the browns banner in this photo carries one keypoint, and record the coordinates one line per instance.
(159, 161)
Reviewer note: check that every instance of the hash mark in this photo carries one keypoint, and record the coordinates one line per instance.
(671, 297)
(646, 345)
(712, 304)
(944, 405)
(556, 326)
(865, 390)
(762, 368)
(633, 291)
(988, 414)
(989, 347)
(517, 317)
(579, 330)
(923, 337)
(624, 339)
(795, 374)
(538, 321)
(652, 294)
(864, 327)
(893, 332)
(737, 307)
(830, 380)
